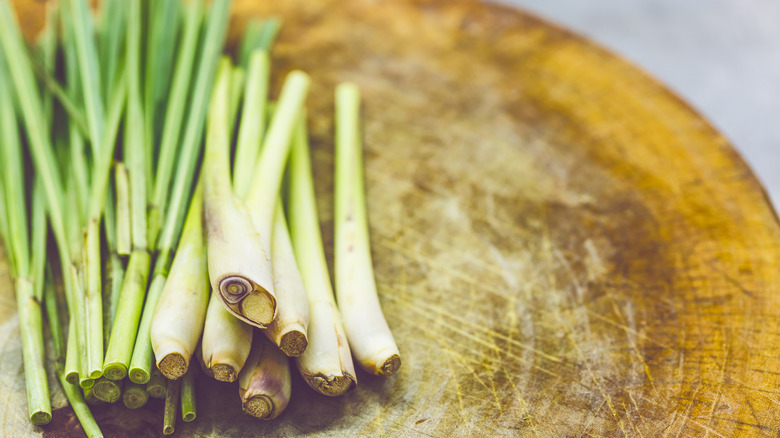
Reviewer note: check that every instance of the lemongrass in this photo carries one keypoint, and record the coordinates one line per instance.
(125, 328)
(188, 405)
(107, 390)
(326, 364)
(91, 398)
(226, 342)
(369, 336)
(258, 35)
(174, 114)
(141, 362)
(264, 384)
(237, 77)
(288, 330)
(181, 310)
(112, 28)
(250, 132)
(239, 269)
(155, 387)
(134, 395)
(123, 332)
(171, 406)
(123, 233)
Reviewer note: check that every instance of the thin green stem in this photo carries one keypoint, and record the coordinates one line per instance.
(134, 148)
(111, 30)
(80, 407)
(188, 408)
(123, 218)
(171, 406)
(88, 69)
(141, 362)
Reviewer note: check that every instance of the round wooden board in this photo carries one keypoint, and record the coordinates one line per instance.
(562, 246)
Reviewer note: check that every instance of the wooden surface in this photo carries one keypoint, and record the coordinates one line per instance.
(562, 246)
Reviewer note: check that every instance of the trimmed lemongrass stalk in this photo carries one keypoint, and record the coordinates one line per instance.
(239, 268)
(188, 406)
(141, 363)
(17, 243)
(171, 406)
(174, 113)
(123, 333)
(288, 330)
(250, 132)
(215, 34)
(264, 384)
(326, 364)
(123, 234)
(125, 328)
(181, 310)
(107, 390)
(81, 409)
(369, 336)
(134, 395)
(226, 342)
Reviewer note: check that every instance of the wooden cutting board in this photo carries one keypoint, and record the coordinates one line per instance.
(563, 247)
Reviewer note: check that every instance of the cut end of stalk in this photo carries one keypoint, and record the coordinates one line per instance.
(293, 343)
(138, 375)
(234, 288)
(156, 391)
(134, 399)
(167, 430)
(260, 406)
(115, 371)
(173, 366)
(189, 416)
(40, 418)
(259, 307)
(72, 378)
(87, 383)
(390, 366)
(107, 391)
(224, 372)
(331, 386)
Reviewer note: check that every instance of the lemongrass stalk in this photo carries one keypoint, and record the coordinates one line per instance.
(123, 233)
(267, 180)
(88, 70)
(174, 115)
(134, 395)
(171, 406)
(78, 315)
(264, 384)
(237, 78)
(47, 46)
(326, 364)
(239, 268)
(226, 342)
(55, 322)
(181, 310)
(250, 132)
(91, 398)
(107, 390)
(156, 386)
(80, 408)
(72, 365)
(66, 101)
(370, 339)
(188, 406)
(163, 23)
(94, 302)
(216, 30)
(134, 147)
(142, 360)
(123, 333)
(28, 306)
(288, 330)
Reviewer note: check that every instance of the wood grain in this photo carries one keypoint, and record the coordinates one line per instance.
(562, 246)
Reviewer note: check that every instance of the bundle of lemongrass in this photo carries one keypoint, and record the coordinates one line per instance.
(153, 264)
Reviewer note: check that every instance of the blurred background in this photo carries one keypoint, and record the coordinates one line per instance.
(722, 56)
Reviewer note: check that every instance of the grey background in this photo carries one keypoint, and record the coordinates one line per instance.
(722, 56)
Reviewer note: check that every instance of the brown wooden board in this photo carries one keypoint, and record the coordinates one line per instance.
(562, 246)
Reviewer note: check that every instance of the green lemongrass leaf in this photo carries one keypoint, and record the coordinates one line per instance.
(258, 35)
(134, 148)
(216, 31)
(47, 48)
(268, 34)
(13, 182)
(252, 126)
(123, 218)
(165, 19)
(86, 52)
(174, 116)
(38, 230)
(4, 227)
(112, 28)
